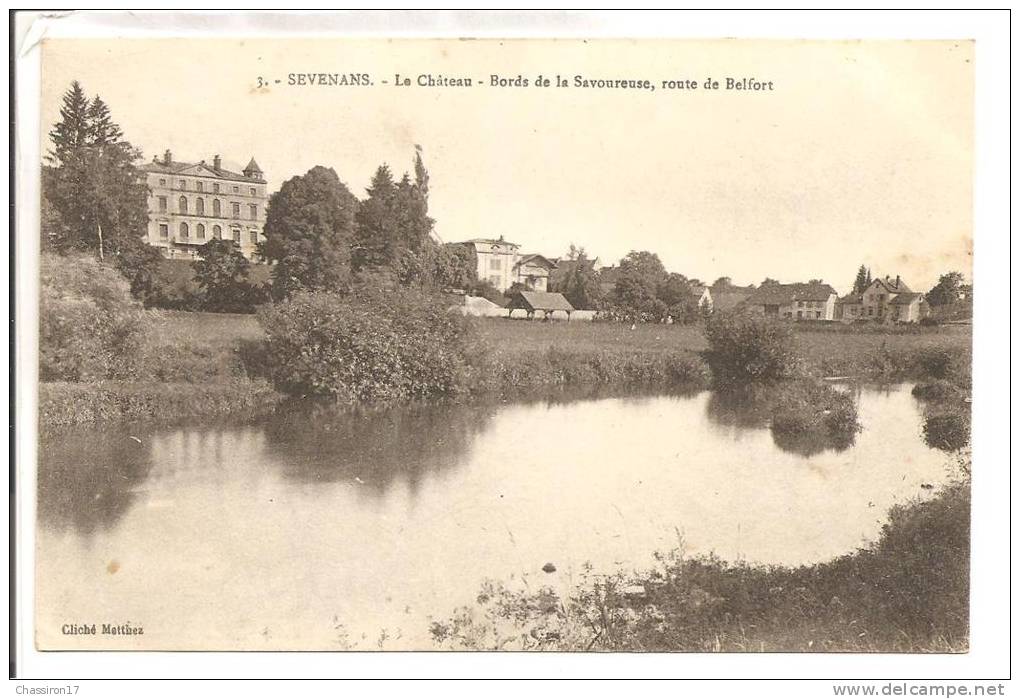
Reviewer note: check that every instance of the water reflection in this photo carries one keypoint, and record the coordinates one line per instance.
(326, 443)
(90, 485)
(273, 534)
(753, 407)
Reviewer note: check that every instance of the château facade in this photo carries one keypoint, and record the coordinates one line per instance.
(193, 203)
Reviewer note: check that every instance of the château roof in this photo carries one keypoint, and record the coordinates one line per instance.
(176, 167)
(252, 166)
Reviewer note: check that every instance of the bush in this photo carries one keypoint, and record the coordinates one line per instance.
(485, 289)
(88, 323)
(948, 429)
(371, 347)
(749, 347)
(938, 391)
(934, 362)
(809, 416)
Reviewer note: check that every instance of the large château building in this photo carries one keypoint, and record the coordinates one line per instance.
(193, 203)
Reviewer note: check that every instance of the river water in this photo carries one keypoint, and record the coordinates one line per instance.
(320, 529)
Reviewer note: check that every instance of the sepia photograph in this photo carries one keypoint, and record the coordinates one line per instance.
(616, 345)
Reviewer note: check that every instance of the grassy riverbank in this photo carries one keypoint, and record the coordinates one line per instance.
(202, 363)
(187, 365)
(906, 592)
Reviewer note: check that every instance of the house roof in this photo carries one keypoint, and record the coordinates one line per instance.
(490, 241)
(893, 286)
(905, 299)
(782, 294)
(724, 299)
(527, 259)
(540, 301)
(175, 167)
(850, 298)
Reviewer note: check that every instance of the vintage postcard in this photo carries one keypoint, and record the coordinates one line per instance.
(504, 344)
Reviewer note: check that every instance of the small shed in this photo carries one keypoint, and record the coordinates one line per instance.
(545, 301)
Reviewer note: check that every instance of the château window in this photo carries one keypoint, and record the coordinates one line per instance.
(200, 186)
(216, 187)
(164, 230)
(162, 182)
(182, 205)
(236, 209)
(217, 233)
(200, 231)
(495, 263)
(253, 191)
(162, 204)
(237, 234)
(215, 207)
(253, 212)
(236, 190)
(254, 236)
(184, 230)
(184, 184)
(200, 206)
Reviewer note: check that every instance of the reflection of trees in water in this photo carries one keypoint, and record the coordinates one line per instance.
(321, 442)
(87, 480)
(753, 406)
(748, 406)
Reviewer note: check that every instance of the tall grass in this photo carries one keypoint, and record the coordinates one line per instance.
(62, 403)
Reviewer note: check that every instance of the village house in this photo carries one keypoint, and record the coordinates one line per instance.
(501, 263)
(727, 296)
(885, 300)
(193, 203)
(704, 295)
(811, 301)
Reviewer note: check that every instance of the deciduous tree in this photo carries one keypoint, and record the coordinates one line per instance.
(309, 229)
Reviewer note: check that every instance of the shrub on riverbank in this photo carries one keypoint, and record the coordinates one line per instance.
(809, 416)
(88, 323)
(62, 403)
(909, 591)
(947, 428)
(745, 346)
(366, 347)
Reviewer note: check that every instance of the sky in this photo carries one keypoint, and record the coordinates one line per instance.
(862, 153)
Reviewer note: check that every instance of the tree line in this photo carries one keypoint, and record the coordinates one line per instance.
(320, 236)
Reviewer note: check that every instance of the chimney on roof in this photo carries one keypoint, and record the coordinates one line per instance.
(897, 280)
(167, 157)
(155, 158)
(216, 162)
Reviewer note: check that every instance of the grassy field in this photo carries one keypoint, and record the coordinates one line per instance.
(859, 352)
(863, 353)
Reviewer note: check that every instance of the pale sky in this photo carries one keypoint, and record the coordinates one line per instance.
(862, 153)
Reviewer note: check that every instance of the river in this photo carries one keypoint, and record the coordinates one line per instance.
(324, 529)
